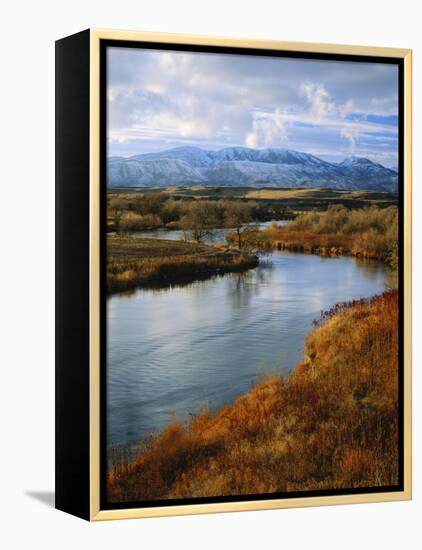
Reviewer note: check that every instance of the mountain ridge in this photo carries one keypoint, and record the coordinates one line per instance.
(244, 166)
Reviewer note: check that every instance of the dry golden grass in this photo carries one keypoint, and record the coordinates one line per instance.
(320, 193)
(278, 194)
(369, 232)
(133, 262)
(333, 423)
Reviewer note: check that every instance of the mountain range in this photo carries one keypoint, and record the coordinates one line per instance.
(243, 166)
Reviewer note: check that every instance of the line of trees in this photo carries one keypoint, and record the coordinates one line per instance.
(199, 217)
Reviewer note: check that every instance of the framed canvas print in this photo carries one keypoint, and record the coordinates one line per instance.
(233, 274)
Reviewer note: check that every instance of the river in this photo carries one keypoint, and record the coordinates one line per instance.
(171, 352)
(217, 236)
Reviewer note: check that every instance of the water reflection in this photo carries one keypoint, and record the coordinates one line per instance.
(173, 351)
(218, 236)
(242, 287)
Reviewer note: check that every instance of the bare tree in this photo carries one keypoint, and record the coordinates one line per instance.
(237, 216)
(201, 220)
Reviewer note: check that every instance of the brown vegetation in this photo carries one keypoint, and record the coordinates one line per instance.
(138, 210)
(333, 423)
(133, 262)
(369, 232)
(324, 197)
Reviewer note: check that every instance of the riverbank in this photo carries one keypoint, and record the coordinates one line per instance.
(366, 233)
(133, 262)
(333, 423)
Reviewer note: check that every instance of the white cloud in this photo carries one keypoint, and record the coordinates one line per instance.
(162, 99)
(268, 130)
(351, 133)
(319, 102)
(346, 108)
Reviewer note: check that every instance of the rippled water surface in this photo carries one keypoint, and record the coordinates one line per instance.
(173, 351)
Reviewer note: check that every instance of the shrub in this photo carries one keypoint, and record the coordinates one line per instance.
(369, 232)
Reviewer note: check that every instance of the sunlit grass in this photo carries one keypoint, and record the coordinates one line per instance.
(369, 232)
(133, 262)
(332, 423)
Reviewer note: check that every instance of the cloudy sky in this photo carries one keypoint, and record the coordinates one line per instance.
(161, 99)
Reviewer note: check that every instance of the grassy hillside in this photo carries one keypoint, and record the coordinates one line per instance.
(333, 423)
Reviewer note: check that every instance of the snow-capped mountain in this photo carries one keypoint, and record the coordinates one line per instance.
(132, 172)
(194, 156)
(242, 166)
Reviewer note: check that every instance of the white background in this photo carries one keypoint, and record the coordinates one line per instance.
(28, 31)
